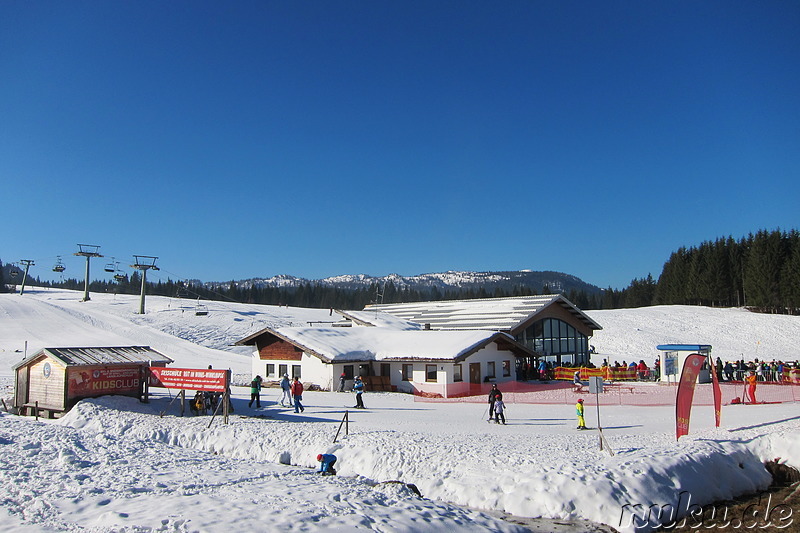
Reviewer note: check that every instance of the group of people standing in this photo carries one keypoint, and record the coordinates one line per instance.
(292, 393)
(497, 408)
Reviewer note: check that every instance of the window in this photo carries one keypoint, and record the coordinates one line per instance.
(408, 372)
(457, 373)
(490, 369)
(557, 340)
(506, 368)
(430, 373)
(283, 369)
(348, 371)
(296, 371)
(270, 370)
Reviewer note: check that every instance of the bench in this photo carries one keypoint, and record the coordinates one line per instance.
(34, 409)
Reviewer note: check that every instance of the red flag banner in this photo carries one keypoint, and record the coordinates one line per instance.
(717, 393)
(683, 400)
(189, 378)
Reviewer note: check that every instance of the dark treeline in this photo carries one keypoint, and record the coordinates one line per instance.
(760, 271)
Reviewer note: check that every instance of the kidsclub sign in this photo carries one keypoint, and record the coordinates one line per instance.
(86, 382)
(189, 378)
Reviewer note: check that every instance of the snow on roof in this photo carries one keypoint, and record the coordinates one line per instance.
(367, 344)
(496, 314)
(100, 355)
(380, 319)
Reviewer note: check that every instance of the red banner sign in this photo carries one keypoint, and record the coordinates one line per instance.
(85, 382)
(683, 400)
(189, 378)
(717, 394)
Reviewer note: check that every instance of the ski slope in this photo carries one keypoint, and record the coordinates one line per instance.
(112, 464)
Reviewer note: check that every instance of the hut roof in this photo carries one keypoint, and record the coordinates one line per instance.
(105, 355)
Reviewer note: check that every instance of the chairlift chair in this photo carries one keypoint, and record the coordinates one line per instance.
(110, 267)
(200, 310)
(59, 266)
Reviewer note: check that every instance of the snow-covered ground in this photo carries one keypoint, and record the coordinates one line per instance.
(113, 464)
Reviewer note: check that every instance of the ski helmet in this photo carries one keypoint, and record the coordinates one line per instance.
(319, 457)
(580, 400)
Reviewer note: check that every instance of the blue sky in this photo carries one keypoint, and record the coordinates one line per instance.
(247, 139)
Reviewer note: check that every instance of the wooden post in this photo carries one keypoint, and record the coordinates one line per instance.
(227, 395)
(345, 422)
(36, 407)
(145, 384)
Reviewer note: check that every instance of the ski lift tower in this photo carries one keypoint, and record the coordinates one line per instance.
(28, 264)
(88, 251)
(144, 263)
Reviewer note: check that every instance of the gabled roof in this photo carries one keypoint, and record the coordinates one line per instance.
(383, 344)
(379, 319)
(99, 355)
(496, 314)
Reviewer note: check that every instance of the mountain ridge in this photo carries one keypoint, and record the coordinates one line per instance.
(556, 282)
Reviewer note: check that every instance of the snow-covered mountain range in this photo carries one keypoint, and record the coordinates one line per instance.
(508, 280)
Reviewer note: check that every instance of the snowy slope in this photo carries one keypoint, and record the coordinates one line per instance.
(633, 334)
(113, 464)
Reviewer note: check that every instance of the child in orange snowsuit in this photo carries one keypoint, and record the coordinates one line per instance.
(751, 386)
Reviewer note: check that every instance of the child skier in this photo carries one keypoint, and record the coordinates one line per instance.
(326, 462)
(579, 412)
(499, 408)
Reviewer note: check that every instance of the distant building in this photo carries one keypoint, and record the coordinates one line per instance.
(549, 325)
(53, 380)
(429, 346)
(439, 362)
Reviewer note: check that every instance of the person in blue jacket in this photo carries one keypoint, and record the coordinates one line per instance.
(326, 462)
(358, 388)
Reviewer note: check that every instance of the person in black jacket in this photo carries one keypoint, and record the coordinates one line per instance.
(494, 394)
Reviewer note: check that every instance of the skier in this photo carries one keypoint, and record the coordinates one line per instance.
(286, 387)
(326, 462)
(358, 388)
(341, 382)
(579, 412)
(255, 392)
(494, 395)
(499, 407)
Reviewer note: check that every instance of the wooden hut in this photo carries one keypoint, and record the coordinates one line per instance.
(52, 380)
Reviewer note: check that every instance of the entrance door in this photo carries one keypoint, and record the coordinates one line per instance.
(23, 377)
(474, 372)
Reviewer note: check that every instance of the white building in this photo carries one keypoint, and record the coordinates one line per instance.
(408, 360)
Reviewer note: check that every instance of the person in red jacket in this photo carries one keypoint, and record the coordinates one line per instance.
(297, 394)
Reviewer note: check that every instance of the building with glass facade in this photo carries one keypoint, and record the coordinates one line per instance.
(549, 325)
